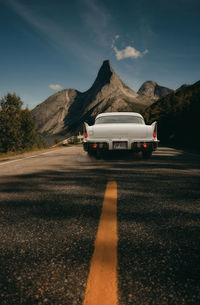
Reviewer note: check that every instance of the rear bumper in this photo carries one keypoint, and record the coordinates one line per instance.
(94, 146)
(135, 146)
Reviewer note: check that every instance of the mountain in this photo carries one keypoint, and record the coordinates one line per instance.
(49, 116)
(178, 116)
(153, 91)
(65, 111)
(182, 87)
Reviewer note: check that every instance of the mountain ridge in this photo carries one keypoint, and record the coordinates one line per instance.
(66, 110)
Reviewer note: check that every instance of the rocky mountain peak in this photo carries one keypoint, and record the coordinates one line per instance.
(106, 66)
(104, 75)
(148, 88)
(153, 91)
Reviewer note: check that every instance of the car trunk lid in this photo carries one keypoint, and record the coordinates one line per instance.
(116, 131)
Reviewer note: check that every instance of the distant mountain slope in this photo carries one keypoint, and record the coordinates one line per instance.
(178, 116)
(66, 110)
(182, 87)
(153, 91)
(49, 116)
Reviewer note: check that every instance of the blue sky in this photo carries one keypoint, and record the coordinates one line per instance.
(48, 45)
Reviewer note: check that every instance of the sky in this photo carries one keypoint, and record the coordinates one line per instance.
(47, 46)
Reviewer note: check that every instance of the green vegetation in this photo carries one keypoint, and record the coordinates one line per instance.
(17, 132)
(178, 117)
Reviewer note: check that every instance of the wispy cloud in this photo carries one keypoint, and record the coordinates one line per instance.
(145, 32)
(98, 19)
(55, 87)
(57, 36)
(43, 24)
(114, 40)
(128, 52)
(94, 10)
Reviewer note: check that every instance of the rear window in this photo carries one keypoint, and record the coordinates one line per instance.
(119, 119)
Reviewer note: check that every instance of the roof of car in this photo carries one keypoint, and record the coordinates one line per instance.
(119, 113)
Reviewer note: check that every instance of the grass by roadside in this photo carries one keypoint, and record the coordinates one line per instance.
(16, 154)
(19, 154)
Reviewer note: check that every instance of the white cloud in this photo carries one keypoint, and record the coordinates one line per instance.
(128, 52)
(55, 87)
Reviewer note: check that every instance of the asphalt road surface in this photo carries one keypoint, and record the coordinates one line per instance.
(51, 205)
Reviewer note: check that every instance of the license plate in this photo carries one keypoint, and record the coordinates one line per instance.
(120, 145)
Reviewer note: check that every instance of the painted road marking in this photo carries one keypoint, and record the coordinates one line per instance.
(102, 280)
(34, 156)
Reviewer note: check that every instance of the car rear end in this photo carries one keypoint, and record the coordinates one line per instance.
(120, 137)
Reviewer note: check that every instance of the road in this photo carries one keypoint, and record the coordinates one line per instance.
(52, 219)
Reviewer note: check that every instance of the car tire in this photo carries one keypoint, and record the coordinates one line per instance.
(90, 153)
(146, 154)
(98, 154)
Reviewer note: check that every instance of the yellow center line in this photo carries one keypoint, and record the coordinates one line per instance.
(102, 280)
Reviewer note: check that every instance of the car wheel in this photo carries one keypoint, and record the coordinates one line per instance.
(146, 154)
(98, 154)
(90, 153)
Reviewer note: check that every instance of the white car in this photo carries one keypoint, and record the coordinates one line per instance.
(114, 131)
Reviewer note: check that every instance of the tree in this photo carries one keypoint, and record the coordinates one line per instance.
(178, 117)
(16, 125)
(28, 130)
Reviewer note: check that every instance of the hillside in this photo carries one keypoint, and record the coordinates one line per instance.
(177, 115)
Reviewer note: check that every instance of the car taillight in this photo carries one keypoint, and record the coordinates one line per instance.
(155, 132)
(85, 134)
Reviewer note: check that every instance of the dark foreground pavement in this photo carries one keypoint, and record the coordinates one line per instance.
(50, 206)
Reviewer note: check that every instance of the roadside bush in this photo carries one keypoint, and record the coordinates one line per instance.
(17, 130)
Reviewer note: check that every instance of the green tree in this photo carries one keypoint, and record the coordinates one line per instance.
(27, 130)
(178, 117)
(16, 125)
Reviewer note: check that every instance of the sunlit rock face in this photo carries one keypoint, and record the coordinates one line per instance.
(49, 116)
